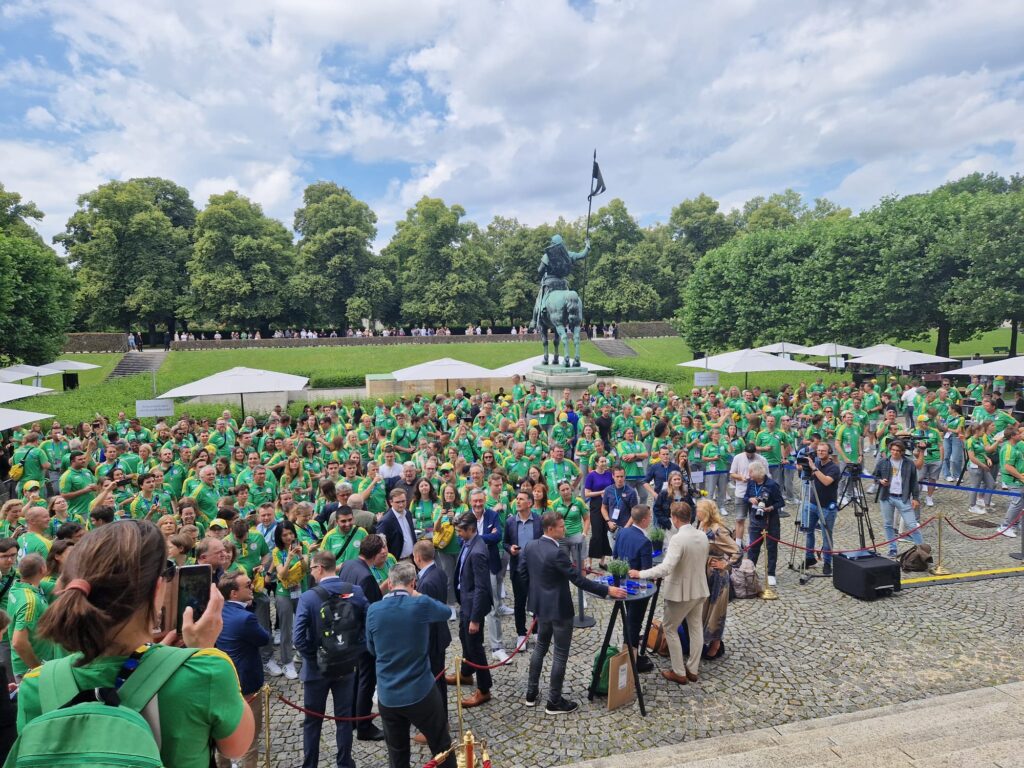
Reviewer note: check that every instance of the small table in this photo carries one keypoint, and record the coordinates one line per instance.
(619, 612)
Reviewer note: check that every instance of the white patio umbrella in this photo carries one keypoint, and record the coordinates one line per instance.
(240, 381)
(889, 356)
(9, 392)
(71, 365)
(19, 372)
(1013, 366)
(447, 368)
(831, 349)
(783, 348)
(523, 367)
(748, 361)
(11, 418)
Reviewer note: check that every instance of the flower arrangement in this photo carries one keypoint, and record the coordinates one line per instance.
(619, 569)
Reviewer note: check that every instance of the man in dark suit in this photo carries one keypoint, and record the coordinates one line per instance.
(633, 546)
(241, 639)
(549, 573)
(520, 530)
(488, 526)
(371, 552)
(473, 591)
(397, 526)
(433, 582)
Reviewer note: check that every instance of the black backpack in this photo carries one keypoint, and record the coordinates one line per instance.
(340, 632)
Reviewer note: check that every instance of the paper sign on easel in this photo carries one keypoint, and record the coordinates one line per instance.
(621, 686)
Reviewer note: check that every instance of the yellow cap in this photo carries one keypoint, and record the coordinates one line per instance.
(922, 417)
(219, 523)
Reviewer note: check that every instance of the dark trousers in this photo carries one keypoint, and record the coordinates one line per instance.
(519, 594)
(559, 632)
(314, 697)
(436, 668)
(473, 650)
(759, 526)
(366, 682)
(429, 717)
(636, 612)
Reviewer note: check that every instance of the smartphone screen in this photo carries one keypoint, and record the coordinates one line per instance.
(193, 590)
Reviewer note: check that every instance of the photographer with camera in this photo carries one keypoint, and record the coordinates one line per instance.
(822, 506)
(764, 501)
(899, 493)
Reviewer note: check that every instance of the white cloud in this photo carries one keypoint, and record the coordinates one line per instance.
(497, 105)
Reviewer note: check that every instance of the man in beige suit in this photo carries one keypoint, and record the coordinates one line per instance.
(685, 589)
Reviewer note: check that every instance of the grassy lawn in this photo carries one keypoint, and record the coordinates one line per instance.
(656, 360)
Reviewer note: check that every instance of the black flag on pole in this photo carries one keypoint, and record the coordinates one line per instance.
(597, 181)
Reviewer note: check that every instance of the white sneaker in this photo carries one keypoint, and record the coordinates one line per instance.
(290, 672)
(771, 581)
(521, 641)
(504, 610)
(277, 637)
(929, 501)
(1009, 533)
(454, 616)
(870, 489)
(977, 510)
(499, 655)
(724, 512)
(274, 669)
(950, 479)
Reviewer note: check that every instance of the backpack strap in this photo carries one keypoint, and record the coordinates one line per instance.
(151, 676)
(57, 685)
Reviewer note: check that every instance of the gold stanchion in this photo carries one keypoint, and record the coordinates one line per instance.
(768, 593)
(939, 569)
(266, 723)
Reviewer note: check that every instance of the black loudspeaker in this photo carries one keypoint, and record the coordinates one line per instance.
(866, 578)
(70, 380)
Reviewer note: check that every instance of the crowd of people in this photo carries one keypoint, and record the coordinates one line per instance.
(391, 520)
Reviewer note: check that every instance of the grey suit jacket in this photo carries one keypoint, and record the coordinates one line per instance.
(684, 567)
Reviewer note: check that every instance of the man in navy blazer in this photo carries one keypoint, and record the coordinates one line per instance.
(549, 572)
(241, 638)
(433, 582)
(633, 546)
(488, 526)
(473, 591)
(520, 529)
(315, 686)
(397, 526)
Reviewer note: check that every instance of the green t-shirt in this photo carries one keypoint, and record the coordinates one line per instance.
(206, 499)
(33, 544)
(31, 459)
(200, 701)
(572, 513)
(773, 442)
(555, 472)
(634, 469)
(335, 539)
(848, 439)
(249, 553)
(26, 605)
(75, 480)
(1012, 454)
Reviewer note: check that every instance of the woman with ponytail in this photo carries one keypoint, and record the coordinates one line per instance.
(114, 581)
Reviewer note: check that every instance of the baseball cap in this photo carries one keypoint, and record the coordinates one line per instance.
(922, 417)
(446, 467)
(218, 523)
(31, 485)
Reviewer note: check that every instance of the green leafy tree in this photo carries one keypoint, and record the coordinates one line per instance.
(516, 251)
(334, 254)
(128, 243)
(36, 288)
(240, 265)
(444, 264)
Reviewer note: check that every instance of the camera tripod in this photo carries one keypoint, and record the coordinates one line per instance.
(851, 492)
(801, 525)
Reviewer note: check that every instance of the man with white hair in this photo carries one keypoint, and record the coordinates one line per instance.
(206, 494)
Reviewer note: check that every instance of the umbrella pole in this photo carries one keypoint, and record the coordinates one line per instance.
(241, 396)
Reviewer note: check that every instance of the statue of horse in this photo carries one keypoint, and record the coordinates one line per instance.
(562, 313)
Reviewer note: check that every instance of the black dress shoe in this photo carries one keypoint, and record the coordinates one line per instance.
(826, 569)
(810, 562)
(371, 734)
(644, 664)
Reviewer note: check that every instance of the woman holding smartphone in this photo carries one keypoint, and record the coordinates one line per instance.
(291, 563)
(116, 577)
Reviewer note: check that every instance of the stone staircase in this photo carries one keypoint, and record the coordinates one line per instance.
(133, 363)
(614, 347)
(979, 729)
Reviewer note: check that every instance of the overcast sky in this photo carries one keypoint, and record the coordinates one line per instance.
(498, 106)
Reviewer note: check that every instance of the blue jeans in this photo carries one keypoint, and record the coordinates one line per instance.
(891, 507)
(314, 697)
(824, 519)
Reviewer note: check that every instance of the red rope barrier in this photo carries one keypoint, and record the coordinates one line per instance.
(858, 549)
(526, 637)
(985, 538)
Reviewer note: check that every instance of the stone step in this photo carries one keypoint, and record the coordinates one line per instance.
(975, 728)
(138, 362)
(614, 347)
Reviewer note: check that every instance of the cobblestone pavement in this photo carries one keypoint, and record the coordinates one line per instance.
(811, 653)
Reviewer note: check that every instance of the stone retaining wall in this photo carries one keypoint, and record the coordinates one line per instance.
(95, 342)
(646, 329)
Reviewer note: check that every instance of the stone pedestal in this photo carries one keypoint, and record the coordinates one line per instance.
(559, 377)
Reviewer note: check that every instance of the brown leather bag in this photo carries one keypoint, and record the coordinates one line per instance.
(656, 642)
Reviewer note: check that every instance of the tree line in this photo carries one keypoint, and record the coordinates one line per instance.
(139, 253)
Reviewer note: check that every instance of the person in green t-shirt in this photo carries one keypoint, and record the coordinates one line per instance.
(33, 461)
(78, 485)
(848, 441)
(26, 605)
(574, 512)
(1011, 472)
(344, 538)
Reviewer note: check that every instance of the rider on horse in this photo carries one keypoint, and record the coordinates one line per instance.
(555, 267)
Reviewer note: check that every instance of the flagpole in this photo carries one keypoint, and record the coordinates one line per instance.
(590, 203)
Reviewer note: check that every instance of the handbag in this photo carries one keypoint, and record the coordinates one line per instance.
(745, 581)
(656, 642)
